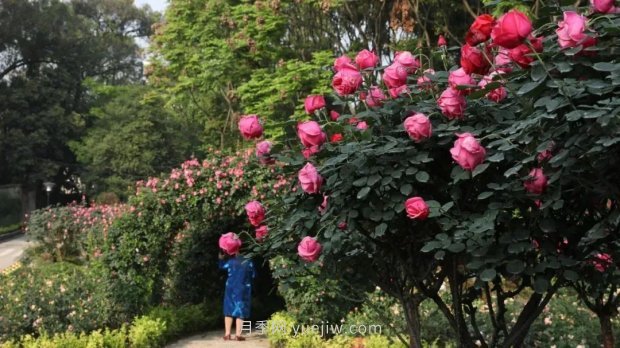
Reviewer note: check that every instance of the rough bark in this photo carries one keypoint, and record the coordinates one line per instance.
(606, 331)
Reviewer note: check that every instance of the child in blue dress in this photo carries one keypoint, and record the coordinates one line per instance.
(238, 293)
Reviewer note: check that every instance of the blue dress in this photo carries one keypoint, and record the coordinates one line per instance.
(238, 294)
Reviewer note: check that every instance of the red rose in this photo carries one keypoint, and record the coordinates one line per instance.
(511, 29)
(335, 138)
(523, 55)
(441, 41)
(480, 30)
(474, 60)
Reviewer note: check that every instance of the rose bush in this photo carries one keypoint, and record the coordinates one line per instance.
(500, 222)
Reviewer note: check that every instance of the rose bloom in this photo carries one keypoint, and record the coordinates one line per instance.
(523, 54)
(511, 29)
(418, 126)
(498, 94)
(467, 151)
(333, 115)
(544, 155)
(250, 127)
(310, 133)
(375, 97)
(230, 243)
(406, 59)
(313, 103)
(441, 41)
(571, 31)
(263, 152)
(604, 6)
(309, 249)
(310, 179)
(262, 232)
(335, 138)
(480, 30)
(347, 80)
(255, 212)
(395, 75)
(397, 91)
(459, 77)
(452, 104)
(424, 82)
(362, 125)
(537, 181)
(502, 60)
(416, 208)
(366, 59)
(341, 62)
(310, 151)
(474, 60)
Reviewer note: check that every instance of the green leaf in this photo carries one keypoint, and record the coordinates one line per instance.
(570, 275)
(373, 179)
(485, 195)
(606, 66)
(498, 157)
(541, 285)
(363, 193)
(488, 275)
(380, 230)
(479, 169)
(528, 87)
(515, 266)
(406, 189)
(512, 171)
(422, 176)
(538, 72)
(456, 247)
(360, 182)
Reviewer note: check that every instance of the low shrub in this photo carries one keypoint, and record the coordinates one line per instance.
(147, 332)
(10, 228)
(279, 329)
(185, 320)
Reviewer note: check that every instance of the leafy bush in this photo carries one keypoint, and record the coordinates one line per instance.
(185, 320)
(305, 339)
(279, 328)
(147, 332)
(10, 209)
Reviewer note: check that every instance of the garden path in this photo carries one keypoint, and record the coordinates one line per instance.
(213, 339)
(11, 250)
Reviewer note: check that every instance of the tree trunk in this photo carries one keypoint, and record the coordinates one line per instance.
(606, 331)
(412, 315)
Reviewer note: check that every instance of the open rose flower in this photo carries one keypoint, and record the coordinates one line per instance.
(424, 81)
(537, 182)
(262, 232)
(366, 59)
(342, 61)
(263, 152)
(498, 94)
(361, 125)
(418, 126)
(480, 29)
(310, 179)
(502, 61)
(255, 212)
(395, 75)
(309, 249)
(452, 103)
(416, 208)
(460, 77)
(511, 29)
(475, 60)
(408, 60)
(311, 134)
(467, 151)
(347, 80)
(375, 97)
(230, 243)
(313, 103)
(571, 31)
(250, 127)
(604, 6)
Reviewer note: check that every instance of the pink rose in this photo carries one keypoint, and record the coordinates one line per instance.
(230, 243)
(308, 152)
(452, 103)
(416, 208)
(362, 125)
(333, 115)
(498, 94)
(342, 225)
(375, 97)
(502, 60)
(406, 59)
(571, 31)
(262, 232)
(544, 155)
(395, 75)
(347, 80)
(310, 179)
(398, 91)
(511, 29)
(604, 6)
(459, 77)
(263, 152)
(311, 134)
(342, 61)
(424, 81)
(250, 127)
(255, 212)
(314, 102)
(537, 181)
(474, 60)
(602, 261)
(467, 151)
(323, 206)
(441, 41)
(309, 249)
(366, 59)
(418, 126)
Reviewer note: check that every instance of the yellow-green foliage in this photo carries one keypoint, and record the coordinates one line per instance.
(279, 328)
(147, 333)
(338, 342)
(306, 339)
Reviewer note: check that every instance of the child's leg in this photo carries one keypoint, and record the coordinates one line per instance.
(227, 325)
(238, 326)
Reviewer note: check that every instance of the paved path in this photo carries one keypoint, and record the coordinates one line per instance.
(11, 251)
(213, 339)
